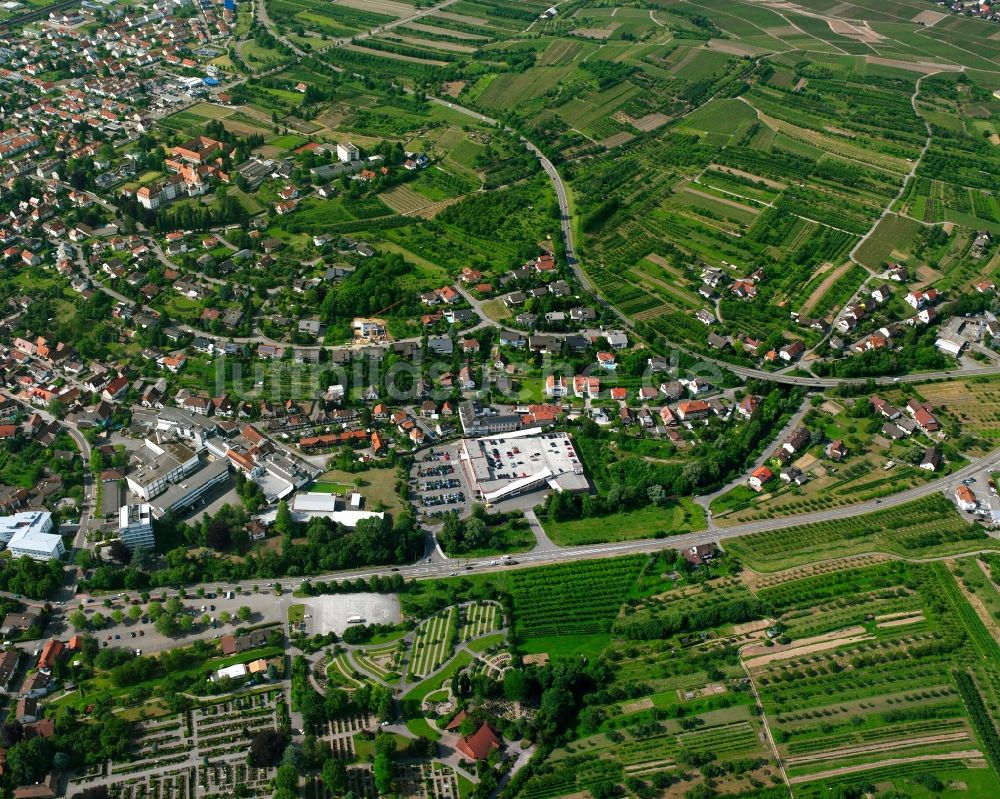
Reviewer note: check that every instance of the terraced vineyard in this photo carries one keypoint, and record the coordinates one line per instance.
(926, 527)
(595, 590)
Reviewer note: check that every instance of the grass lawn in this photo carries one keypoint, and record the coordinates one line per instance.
(385, 638)
(364, 749)
(484, 643)
(465, 786)
(680, 516)
(296, 613)
(459, 662)
(566, 646)
(420, 727)
(377, 485)
(736, 497)
(287, 142)
(496, 310)
(325, 487)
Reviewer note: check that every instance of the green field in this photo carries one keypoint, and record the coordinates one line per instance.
(680, 516)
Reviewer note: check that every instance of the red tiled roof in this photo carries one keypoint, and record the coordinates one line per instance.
(480, 744)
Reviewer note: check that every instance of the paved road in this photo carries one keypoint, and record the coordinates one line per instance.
(438, 565)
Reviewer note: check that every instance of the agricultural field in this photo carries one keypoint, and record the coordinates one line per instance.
(972, 403)
(886, 725)
(770, 141)
(925, 527)
(595, 589)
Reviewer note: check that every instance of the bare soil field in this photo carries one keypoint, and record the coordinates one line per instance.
(649, 122)
(390, 8)
(734, 48)
(823, 287)
(639, 704)
(773, 184)
(600, 34)
(887, 746)
(751, 626)
(453, 88)
(804, 646)
(926, 67)
(905, 619)
(856, 30)
(616, 140)
(929, 18)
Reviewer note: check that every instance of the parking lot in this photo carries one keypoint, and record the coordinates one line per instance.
(439, 485)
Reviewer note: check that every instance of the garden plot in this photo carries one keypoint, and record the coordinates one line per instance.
(432, 645)
(974, 403)
(384, 662)
(478, 619)
(404, 200)
(837, 711)
(341, 674)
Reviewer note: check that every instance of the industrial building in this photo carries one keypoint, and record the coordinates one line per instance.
(192, 489)
(157, 466)
(308, 505)
(500, 467)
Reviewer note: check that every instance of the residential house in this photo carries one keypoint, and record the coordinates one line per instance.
(759, 477)
(965, 498)
(792, 352)
(931, 460)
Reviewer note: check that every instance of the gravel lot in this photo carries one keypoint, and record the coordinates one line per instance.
(332, 612)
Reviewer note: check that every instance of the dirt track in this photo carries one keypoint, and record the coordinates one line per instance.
(807, 646)
(887, 746)
(967, 754)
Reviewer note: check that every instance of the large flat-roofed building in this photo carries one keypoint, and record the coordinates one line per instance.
(505, 466)
(308, 505)
(478, 420)
(36, 545)
(135, 526)
(192, 489)
(32, 521)
(155, 467)
(347, 152)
